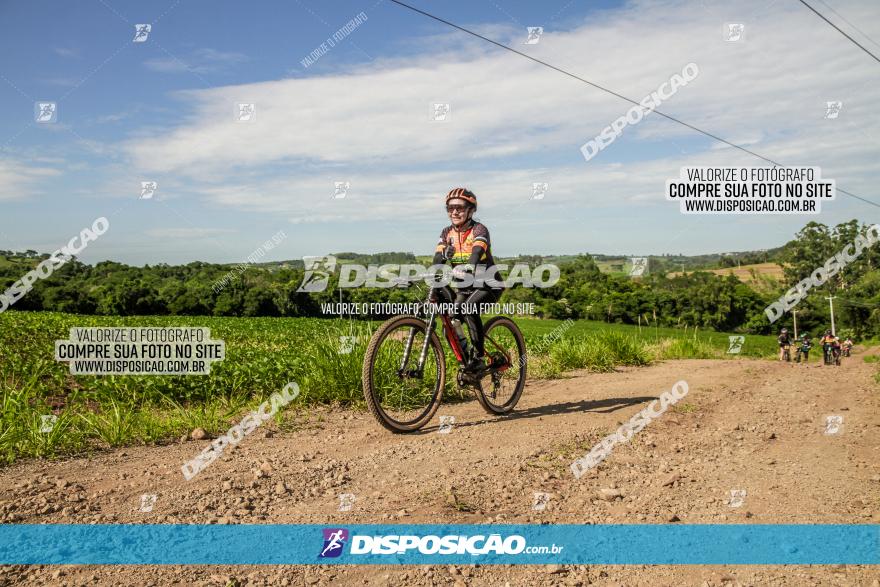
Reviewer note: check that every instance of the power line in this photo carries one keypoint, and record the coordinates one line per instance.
(613, 93)
(855, 303)
(877, 59)
(843, 18)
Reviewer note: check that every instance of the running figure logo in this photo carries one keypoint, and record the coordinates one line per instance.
(318, 270)
(148, 189)
(440, 112)
(539, 189)
(141, 32)
(534, 35)
(47, 423)
(539, 504)
(147, 502)
(45, 112)
(346, 500)
(446, 424)
(346, 344)
(832, 109)
(334, 541)
(736, 344)
(638, 267)
(737, 498)
(833, 424)
(247, 112)
(340, 189)
(735, 31)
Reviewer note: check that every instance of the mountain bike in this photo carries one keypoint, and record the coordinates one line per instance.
(831, 354)
(786, 353)
(404, 372)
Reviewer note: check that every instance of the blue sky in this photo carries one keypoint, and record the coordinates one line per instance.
(164, 110)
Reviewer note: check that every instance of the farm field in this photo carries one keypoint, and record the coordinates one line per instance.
(746, 273)
(262, 355)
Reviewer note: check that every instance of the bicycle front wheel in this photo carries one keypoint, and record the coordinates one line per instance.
(402, 396)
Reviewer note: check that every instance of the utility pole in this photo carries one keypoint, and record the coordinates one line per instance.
(831, 303)
(794, 314)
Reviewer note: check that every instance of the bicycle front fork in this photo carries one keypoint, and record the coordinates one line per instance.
(423, 353)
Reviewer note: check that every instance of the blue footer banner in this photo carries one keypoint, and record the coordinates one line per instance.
(267, 544)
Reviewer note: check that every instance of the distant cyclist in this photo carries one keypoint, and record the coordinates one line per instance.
(784, 339)
(465, 243)
(847, 346)
(830, 345)
(802, 348)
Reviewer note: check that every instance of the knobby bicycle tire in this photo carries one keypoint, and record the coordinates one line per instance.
(373, 402)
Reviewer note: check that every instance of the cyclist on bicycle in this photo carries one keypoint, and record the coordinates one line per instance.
(830, 345)
(784, 339)
(829, 338)
(847, 346)
(465, 243)
(803, 347)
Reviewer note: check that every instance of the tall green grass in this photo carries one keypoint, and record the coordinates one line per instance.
(599, 353)
(682, 348)
(262, 355)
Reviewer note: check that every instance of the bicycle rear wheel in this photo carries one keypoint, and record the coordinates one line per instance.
(402, 398)
(500, 391)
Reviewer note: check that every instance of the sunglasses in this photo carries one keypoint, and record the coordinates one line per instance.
(451, 209)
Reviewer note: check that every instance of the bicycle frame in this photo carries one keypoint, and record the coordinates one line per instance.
(449, 331)
(430, 321)
(450, 338)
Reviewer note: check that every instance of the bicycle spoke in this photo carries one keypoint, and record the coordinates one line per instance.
(402, 392)
(504, 347)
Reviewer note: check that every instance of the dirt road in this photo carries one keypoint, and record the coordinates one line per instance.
(757, 426)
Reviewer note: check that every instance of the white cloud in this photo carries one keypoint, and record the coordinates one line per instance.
(18, 180)
(504, 105)
(202, 61)
(514, 122)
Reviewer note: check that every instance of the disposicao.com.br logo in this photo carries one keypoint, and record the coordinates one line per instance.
(392, 544)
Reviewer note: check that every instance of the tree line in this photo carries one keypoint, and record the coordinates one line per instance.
(697, 298)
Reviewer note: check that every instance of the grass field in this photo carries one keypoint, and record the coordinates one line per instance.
(750, 274)
(262, 355)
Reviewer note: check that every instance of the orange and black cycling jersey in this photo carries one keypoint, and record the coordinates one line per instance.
(829, 340)
(461, 244)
